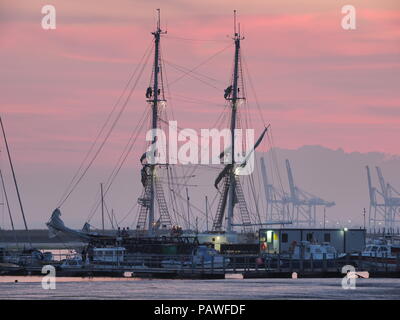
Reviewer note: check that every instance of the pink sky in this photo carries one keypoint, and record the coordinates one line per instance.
(317, 84)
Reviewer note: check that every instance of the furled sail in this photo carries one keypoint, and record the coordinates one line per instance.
(222, 174)
(56, 225)
(243, 164)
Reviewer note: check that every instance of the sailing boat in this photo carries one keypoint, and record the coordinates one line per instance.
(154, 219)
(13, 260)
(155, 231)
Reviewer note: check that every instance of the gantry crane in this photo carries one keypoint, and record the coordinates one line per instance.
(384, 209)
(278, 201)
(304, 204)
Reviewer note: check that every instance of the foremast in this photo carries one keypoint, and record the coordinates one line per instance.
(234, 102)
(152, 189)
(155, 102)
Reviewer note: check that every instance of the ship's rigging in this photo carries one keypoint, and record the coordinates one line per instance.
(160, 205)
(152, 189)
(231, 193)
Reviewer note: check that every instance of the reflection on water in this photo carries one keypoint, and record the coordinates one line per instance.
(134, 288)
(22, 279)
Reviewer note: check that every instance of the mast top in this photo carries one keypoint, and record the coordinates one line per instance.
(158, 24)
(236, 28)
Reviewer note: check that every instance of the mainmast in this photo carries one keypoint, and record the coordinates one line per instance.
(155, 103)
(234, 101)
(231, 191)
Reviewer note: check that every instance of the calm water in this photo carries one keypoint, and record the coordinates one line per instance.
(122, 288)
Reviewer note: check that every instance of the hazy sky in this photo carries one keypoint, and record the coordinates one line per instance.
(317, 84)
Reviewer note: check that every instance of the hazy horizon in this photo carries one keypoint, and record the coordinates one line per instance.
(316, 84)
(333, 175)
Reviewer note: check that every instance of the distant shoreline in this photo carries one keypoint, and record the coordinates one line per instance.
(39, 238)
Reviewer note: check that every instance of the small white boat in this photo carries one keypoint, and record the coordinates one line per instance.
(72, 263)
(107, 258)
(307, 250)
(26, 257)
(203, 257)
(379, 253)
(100, 257)
(113, 255)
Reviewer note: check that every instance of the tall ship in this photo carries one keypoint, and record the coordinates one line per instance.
(233, 224)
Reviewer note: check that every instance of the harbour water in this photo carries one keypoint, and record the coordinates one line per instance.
(134, 288)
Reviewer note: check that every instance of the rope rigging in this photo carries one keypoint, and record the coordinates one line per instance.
(175, 187)
(121, 160)
(193, 74)
(192, 39)
(199, 65)
(74, 181)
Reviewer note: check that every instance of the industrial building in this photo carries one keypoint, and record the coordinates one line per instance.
(281, 240)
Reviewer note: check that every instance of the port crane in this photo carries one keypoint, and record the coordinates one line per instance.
(384, 209)
(304, 204)
(278, 201)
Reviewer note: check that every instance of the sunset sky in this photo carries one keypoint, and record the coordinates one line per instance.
(316, 83)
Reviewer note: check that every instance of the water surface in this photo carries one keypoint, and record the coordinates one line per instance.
(134, 288)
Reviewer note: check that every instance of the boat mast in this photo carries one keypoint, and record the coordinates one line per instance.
(13, 174)
(102, 205)
(8, 207)
(234, 99)
(156, 99)
(6, 201)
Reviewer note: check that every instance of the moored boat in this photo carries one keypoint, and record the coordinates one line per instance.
(202, 257)
(379, 254)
